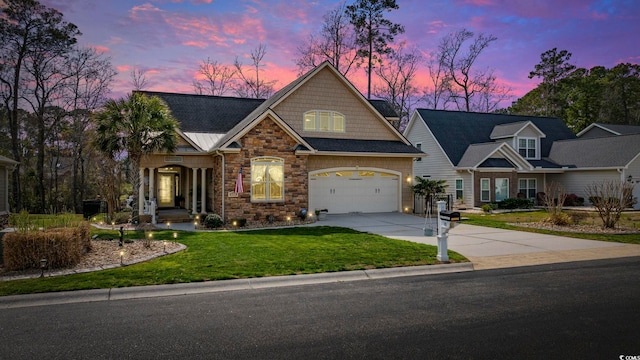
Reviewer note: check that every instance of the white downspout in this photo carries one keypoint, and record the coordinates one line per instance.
(473, 193)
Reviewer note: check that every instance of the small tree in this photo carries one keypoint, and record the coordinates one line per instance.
(610, 198)
(428, 188)
(553, 201)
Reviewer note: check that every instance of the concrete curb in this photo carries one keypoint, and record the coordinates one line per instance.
(140, 292)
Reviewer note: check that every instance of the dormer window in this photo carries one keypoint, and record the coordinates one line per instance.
(321, 120)
(527, 147)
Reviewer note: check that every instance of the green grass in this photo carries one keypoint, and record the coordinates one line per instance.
(248, 254)
(502, 220)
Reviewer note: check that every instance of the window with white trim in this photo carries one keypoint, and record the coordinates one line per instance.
(267, 179)
(527, 147)
(528, 187)
(419, 147)
(485, 192)
(322, 120)
(501, 189)
(459, 189)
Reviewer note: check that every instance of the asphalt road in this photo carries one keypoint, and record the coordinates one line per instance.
(586, 310)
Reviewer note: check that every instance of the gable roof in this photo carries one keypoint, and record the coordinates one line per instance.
(280, 95)
(604, 152)
(512, 129)
(481, 155)
(208, 122)
(613, 129)
(456, 130)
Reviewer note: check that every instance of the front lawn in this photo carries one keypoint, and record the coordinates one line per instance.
(509, 220)
(231, 255)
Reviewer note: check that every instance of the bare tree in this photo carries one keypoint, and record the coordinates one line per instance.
(439, 94)
(334, 43)
(610, 198)
(91, 74)
(553, 200)
(217, 80)
(138, 78)
(398, 81)
(490, 93)
(459, 64)
(252, 86)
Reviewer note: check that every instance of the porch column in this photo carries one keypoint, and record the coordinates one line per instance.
(203, 186)
(152, 187)
(185, 187)
(195, 191)
(141, 192)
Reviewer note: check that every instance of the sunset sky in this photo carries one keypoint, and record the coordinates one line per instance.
(169, 38)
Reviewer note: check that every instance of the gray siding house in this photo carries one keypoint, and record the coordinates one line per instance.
(490, 157)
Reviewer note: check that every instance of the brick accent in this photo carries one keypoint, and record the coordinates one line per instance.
(513, 185)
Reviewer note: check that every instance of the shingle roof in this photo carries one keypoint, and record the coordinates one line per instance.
(206, 113)
(477, 152)
(497, 163)
(456, 130)
(384, 108)
(362, 146)
(604, 152)
(621, 129)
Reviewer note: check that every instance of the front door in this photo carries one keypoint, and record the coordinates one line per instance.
(166, 190)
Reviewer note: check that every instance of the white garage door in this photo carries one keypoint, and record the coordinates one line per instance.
(348, 191)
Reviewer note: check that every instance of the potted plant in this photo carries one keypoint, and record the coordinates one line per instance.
(321, 214)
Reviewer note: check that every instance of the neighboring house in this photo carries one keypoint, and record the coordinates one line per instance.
(600, 130)
(6, 166)
(315, 144)
(490, 157)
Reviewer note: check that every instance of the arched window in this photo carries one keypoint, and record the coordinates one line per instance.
(322, 120)
(267, 179)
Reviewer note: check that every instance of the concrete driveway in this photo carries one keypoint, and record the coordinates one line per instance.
(487, 247)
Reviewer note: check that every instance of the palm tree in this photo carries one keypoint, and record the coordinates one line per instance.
(135, 127)
(428, 188)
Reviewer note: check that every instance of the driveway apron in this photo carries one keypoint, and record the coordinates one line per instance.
(486, 247)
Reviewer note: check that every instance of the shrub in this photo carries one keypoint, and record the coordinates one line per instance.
(560, 218)
(610, 198)
(516, 203)
(119, 218)
(574, 200)
(61, 247)
(578, 216)
(487, 208)
(213, 221)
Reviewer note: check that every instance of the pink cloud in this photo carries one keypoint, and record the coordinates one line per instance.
(123, 68)
(198, 44)
(101, 49)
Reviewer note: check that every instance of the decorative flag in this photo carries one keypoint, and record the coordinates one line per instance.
(239, 185)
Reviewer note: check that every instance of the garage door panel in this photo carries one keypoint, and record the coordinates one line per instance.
(353, 193)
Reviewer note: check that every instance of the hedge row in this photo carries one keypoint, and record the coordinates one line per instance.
(62, 247)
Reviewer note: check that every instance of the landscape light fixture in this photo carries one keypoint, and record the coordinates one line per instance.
(164, 245)
(168, 224)
(175, 235)
(121, 257)
(43, 265)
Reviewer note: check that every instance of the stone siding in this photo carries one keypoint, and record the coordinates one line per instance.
(265, 139)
